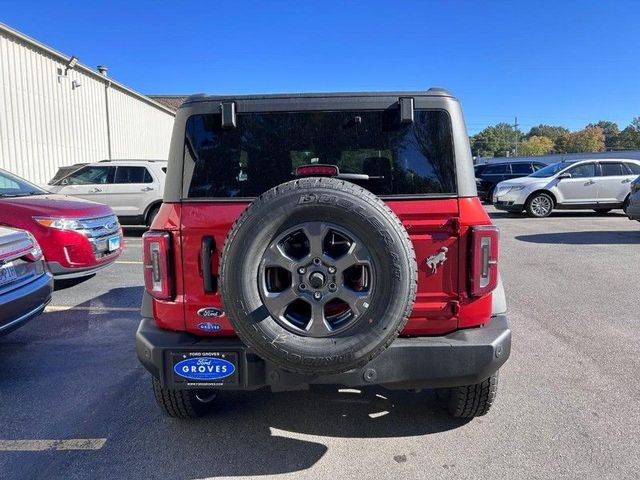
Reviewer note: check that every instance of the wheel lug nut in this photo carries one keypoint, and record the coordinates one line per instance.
(302, 286)
(332, 269)
(332, 286)
(317, 295)
(317, 261)
(301, 270)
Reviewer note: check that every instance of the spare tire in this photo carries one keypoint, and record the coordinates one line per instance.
(318, 276)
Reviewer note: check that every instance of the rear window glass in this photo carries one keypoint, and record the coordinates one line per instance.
(634, 167)
(521, 168)
(264, 150)
(496, 170)
(133, 175)
(612, 169)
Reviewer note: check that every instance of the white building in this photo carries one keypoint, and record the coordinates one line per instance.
(55, 111)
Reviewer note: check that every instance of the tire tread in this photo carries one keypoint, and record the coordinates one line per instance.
(475, 400)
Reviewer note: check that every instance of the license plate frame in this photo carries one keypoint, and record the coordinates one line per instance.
(207, 365)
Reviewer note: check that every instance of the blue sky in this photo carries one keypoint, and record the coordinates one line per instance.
(555, 62)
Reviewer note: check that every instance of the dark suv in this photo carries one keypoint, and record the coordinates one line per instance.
(490, 174)
(322, 239)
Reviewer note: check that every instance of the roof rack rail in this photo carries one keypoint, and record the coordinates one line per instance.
(107, 160)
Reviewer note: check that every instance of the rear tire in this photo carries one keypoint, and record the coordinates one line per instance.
(602, 211)
(183, 404)
(489, 198)
(539, 205)
(152, 215)
(471, 401)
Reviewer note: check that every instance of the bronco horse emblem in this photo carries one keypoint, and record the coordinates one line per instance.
(438, 259)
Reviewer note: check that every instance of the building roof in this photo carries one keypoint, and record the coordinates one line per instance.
(170, 101)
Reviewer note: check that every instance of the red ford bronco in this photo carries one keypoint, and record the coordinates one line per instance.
(322, 239)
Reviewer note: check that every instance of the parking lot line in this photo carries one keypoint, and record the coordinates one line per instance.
(129, 262)
(42, 445)
(62, 308)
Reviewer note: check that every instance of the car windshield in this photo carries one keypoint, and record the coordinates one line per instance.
(550, 170)
(12, 186)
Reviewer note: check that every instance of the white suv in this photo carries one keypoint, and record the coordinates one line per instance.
(601, 185)
(132, 188)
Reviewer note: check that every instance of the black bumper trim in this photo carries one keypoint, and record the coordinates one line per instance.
(65, 273)
(513, 208)
(463, 357)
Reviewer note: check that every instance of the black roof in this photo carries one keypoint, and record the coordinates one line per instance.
(432, 92)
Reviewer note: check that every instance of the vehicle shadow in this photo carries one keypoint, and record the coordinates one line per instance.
(263, 433)
(598, 237)
(70, 282)
(133, 231)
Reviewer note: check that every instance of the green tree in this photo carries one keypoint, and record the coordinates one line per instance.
(535, 146)
(610, 130)
(494, 141)
(635, 124)
(628, 139)
(590, 139)
(550, 131)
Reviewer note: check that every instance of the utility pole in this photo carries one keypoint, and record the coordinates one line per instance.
(515, 129)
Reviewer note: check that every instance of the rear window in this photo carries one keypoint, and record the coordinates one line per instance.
(133, 175)
(634, 168)
(265, 149)
(521, 168)
(496, 170)
(612, 169)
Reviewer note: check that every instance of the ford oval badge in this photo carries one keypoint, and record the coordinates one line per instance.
(204, 368)
(210, 327)
(210, 312)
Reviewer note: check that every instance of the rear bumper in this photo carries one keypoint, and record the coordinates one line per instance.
(463, 357)
(20, 305)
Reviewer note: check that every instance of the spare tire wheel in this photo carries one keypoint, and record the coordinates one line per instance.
(318, 276)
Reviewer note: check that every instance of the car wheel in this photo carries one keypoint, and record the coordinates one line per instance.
(602, 211)
(152, 215)
(539, 205)
(489, 198)
(183, 403)
(470, 401)
(318, 276)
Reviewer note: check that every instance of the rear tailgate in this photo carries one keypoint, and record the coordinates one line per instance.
(432, 225)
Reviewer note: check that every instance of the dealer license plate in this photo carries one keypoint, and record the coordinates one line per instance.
(200, 369)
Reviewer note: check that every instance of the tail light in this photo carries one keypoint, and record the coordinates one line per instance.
(317, 170)
(158, 275)
(35, 254)
(484, 259)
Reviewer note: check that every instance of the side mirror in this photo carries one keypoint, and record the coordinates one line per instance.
(64, 181)
(564, 175)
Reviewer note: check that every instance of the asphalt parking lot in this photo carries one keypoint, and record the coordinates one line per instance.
(567, 406)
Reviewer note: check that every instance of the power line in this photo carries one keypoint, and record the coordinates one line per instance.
(515, 130)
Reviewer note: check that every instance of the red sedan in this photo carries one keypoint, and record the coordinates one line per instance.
(78, 237)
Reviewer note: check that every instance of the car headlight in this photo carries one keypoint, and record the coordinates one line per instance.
(59, 223)
(508, 188)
